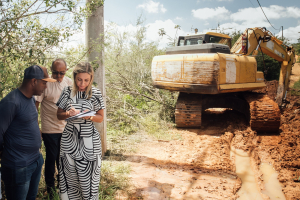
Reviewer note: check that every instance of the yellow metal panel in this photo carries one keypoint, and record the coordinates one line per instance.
(246, 86)
(218, 35)
(222, 75)
(187, 57)
(248, 68)
(260, 77)
(189, 69)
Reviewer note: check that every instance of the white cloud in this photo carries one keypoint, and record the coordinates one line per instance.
(168, 25)
(219, 13)
(151, 33)
(152, 7)
(178, 18)
(291, 33)
(272, 12)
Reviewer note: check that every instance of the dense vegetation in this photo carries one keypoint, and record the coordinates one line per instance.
(33, 31)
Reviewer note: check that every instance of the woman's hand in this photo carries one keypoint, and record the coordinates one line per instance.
(73, 111)
(87, 117)
(98, 117)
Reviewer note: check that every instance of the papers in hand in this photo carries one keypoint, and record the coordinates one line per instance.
(80, 115)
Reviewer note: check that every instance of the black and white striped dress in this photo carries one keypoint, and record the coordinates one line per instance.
(80, 151)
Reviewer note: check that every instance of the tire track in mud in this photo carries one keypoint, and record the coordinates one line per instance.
(199, 166)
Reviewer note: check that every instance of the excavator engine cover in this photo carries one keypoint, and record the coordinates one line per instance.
(200, 48)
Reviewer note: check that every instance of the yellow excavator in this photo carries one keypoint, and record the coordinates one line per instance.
(208, 73)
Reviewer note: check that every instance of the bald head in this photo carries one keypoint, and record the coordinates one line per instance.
(58, 68)
(59, 60)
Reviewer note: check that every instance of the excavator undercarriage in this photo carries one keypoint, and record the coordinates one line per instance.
(262, 113)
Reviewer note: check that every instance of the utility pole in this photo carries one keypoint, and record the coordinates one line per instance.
(94, 38)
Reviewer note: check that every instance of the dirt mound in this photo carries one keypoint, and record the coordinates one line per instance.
(270, 89)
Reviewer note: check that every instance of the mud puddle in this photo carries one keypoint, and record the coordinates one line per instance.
(273, 188)
(249, 189)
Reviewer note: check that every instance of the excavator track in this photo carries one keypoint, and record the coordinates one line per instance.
(264, 113)
(188, 110)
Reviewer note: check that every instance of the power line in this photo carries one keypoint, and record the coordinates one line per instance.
(251, 3)
(266, 16)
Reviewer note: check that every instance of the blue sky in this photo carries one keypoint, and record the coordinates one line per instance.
(205, 15)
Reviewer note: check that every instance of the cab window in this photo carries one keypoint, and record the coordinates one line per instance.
(193, 41)
(181, 42)
(213, 39)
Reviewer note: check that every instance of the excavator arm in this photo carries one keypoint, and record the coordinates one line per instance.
(260, 39)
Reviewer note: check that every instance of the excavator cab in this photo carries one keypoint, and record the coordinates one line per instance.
(209, 37)
(209, 42)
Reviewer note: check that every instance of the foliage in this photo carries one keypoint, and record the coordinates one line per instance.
(297, 50)
(130, 93)
(172, 40)
(31, 30)
(296, 89)
(269, 65)
(114, 178)
(235, 36)
(271, 68)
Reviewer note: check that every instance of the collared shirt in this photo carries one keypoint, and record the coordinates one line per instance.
(50, 123)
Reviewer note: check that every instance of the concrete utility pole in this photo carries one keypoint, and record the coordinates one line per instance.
(94, 35)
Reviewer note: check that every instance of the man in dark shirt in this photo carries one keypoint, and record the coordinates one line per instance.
(20, 138)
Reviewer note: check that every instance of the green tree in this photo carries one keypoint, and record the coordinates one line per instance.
(31, 30)
(297, 50)
(235, 36)
(131, 96)
(172, 40)
(271, 68)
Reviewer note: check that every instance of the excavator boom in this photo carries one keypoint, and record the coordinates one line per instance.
(260, 39)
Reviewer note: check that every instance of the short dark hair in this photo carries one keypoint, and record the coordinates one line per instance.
(58, 60)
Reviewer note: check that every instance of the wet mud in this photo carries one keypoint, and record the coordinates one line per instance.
(201, 164)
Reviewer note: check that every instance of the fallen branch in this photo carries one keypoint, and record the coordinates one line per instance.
(135, 93)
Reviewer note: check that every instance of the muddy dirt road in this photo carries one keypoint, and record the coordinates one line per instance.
(208, 163)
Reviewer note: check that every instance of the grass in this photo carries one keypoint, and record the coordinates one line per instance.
(296, 87)
(114, 179)
(115, 182)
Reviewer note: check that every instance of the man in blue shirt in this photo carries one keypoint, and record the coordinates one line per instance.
(20, 138)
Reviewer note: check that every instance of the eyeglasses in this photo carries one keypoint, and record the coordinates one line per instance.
(56, 73)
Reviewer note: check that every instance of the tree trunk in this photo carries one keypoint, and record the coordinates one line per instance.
(94, 42)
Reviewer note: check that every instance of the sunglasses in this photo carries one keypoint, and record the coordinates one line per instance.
(56, 73)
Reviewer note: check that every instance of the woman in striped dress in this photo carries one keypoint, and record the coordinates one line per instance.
(80, 151)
